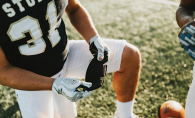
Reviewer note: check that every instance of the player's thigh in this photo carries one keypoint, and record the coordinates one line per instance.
(79, 57)
(190, 102)
(35, 104)
(63, 108)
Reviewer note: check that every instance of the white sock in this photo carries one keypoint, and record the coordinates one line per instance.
(124, 109)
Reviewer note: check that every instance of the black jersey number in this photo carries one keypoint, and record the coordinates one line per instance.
(36, 45)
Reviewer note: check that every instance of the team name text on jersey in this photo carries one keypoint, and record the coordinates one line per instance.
(10, 11)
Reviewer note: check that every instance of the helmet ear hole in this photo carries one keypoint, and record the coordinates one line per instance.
(159, 111)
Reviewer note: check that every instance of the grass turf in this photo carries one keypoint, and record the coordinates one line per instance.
(166, 72)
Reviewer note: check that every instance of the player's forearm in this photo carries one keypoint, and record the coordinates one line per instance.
(184, 15)
(82, 22)
(24, 80)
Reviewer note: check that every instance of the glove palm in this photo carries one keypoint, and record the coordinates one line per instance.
(68, 88)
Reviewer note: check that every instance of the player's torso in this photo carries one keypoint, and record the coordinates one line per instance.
(32, 35)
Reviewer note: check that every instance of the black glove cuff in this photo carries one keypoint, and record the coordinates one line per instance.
(93, 49)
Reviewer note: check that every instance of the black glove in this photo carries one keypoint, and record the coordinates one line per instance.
(96, 70)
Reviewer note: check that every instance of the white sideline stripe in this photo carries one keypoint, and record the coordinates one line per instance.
(165, 2)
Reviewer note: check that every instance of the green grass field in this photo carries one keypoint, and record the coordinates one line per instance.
(166, 72)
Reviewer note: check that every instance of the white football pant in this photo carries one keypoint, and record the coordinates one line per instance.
(47, 104)
(190, 102)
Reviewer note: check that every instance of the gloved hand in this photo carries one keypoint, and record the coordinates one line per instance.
(68, 88)
(99, 48)
(187, 38)
(96, 69)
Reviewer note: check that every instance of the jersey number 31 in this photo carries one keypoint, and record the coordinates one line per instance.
(36, 45)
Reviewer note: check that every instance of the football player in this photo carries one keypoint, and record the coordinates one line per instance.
(38, 61)
(185, 18)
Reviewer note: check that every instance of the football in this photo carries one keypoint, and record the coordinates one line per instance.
(171, 109)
